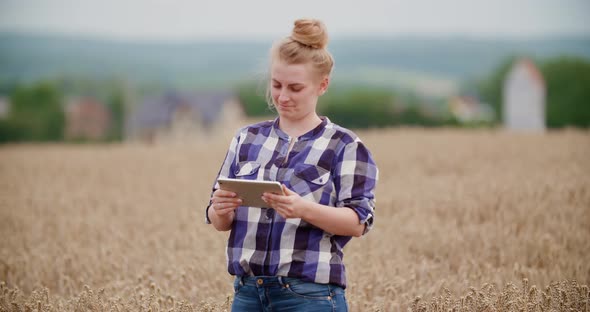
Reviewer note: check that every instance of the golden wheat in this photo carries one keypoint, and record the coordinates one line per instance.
(120, 227)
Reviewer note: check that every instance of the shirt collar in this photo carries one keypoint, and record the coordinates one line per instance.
(310, 135)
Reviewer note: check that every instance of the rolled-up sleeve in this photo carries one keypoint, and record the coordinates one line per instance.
(226, 171)
(355, 182)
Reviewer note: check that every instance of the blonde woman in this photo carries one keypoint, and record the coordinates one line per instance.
(290, 257)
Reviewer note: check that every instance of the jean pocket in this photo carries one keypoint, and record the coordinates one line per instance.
(237, 284)
(309, 291)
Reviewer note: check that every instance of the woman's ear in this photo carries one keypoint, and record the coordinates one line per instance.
(324, 85)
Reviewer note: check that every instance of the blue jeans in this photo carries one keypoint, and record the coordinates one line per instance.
(276, 293)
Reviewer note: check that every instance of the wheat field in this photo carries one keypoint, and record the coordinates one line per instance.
(479, 220)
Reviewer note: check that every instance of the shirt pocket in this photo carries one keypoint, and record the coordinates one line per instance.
(247, 170)
(312, 174)
(309, 178)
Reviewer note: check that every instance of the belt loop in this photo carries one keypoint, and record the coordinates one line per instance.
(281, 281)
(242, 280)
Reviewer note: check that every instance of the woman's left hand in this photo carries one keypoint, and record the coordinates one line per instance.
(290, 205)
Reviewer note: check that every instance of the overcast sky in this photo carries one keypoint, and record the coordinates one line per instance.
(194, 19)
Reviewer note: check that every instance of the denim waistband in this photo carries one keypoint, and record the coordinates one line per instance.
(262, 281)
(279, 281)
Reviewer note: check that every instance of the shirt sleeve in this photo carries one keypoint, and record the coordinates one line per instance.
(227, 170)
(355, 182)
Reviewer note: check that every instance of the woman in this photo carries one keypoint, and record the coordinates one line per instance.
(289, 258)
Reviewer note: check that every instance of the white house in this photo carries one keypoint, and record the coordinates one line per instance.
(524, 97)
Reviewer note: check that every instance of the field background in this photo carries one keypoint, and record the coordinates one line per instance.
(115, 227)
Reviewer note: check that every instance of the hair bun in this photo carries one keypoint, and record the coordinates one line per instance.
(310, 32)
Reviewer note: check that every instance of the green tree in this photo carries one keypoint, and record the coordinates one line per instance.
(12, 131)
(359, 107)
(568, 91)
(37, 111)
(252, 96)
(116, 105)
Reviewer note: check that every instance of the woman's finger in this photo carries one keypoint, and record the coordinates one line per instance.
(224, 206)
(275, 198)
(219, 199)
(227, 202)
(224, 193)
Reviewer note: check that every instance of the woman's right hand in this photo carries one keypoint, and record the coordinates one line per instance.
(224, 202)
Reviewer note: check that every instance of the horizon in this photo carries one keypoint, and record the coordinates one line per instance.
(266, 39)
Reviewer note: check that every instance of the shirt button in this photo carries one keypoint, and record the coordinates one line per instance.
(259, 281)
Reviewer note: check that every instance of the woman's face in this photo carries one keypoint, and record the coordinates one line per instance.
(295, 89)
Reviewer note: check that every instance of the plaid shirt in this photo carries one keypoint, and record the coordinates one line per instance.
(328, 165)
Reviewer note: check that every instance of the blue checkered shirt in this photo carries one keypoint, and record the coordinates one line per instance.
(328, 165)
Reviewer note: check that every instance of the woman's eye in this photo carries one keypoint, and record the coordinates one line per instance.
(276, 86)
(296, 89)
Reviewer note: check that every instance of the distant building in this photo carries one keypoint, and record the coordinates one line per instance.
(524, 97)
(86, 119)
(468, 109)
(186, 117)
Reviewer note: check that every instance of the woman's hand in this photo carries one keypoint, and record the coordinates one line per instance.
(224, 203)
(335, 220)
(290, 205)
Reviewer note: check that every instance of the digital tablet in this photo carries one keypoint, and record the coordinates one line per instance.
(250, 191)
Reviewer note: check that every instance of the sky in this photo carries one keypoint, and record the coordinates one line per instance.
(223, 19)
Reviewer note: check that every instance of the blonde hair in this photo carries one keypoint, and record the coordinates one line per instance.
(307, 44)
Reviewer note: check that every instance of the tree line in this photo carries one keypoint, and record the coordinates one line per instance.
(567, 100)
(37, 110)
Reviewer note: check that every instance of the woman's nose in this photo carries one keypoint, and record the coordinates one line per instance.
(283, 97)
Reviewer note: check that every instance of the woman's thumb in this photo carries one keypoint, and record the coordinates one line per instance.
(286, 190)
